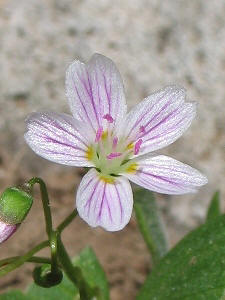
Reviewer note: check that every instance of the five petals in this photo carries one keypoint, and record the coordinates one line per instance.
(96, 97)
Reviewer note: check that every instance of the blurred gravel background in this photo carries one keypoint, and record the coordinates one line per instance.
(154, 43)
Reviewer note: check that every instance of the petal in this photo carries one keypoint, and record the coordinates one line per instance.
(166, 175)
(57, 137)
(95, 92)
(6, 230)
(104, 203)
(160, 119)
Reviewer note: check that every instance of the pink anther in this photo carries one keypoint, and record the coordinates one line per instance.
(115, 142)
(142, 129)
(113, 155)
(108, 117)
(137, 146)
(99, 134)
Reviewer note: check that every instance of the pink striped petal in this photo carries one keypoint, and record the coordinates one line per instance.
(160, 119)
(166, 175)
(58, 137)
(104, 203)
(94, 91)
(6, 230)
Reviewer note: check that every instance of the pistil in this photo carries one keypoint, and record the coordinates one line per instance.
(99, 134)
(137, 146)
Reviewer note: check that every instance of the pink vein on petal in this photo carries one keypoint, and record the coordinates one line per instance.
(121, 207)
(100, 210)
(138, 121)
(89, 92)
(90, 198)
(82, 104)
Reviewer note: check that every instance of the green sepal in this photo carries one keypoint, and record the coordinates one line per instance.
(15, 204)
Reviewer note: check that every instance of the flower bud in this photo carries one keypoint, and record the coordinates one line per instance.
(15, 204)
(45, 278)
(6, 230)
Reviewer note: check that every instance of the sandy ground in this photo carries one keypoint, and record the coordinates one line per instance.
(154, 43)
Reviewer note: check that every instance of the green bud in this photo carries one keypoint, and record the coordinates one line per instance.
(44, 277)
(15, 204)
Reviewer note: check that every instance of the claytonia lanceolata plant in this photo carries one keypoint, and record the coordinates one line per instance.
(116, 145)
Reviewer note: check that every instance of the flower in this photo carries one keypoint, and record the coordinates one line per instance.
(15, 203)
(116, 145)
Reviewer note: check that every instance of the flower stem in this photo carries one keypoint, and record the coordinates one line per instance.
(11, 263)
(67, 221)
(52, 235)
(54, 259)
(22, 259)
(74, 273)
(45, 203)
(33, 259)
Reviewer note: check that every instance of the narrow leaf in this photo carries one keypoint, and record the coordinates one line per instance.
(93, 272)
(214, 207)
(194, 269)
(149, 223)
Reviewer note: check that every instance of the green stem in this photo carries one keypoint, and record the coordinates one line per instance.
(53, 245)
(23, 259)
(54, 258)
(33, 259)
(52, 235)
(45, 203)
(67, 221)
(66, 263)
(74, 273)
(16, 261)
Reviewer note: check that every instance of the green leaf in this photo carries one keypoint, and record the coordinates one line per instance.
(13, 295)
(92, 272)
(214, 207)
(194, 269)
(150, 224)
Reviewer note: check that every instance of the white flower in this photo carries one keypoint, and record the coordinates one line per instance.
(116, 145)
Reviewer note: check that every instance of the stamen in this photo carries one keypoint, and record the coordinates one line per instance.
(142, 129)
(132, 168)
(99, 134)
(137, 146)
(113, 155)
(130, 146)
(89, 153)
(108, 117)
(115, 142)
